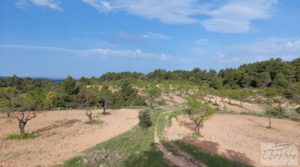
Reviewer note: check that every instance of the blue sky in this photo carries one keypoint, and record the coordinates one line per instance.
(55, 38)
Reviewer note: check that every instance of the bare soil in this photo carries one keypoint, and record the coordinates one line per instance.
(172, 100)
(181, 160)
(64, 135)
(238, 137)
(235, 105)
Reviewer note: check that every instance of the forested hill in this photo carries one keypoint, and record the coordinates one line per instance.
(273, 78)
(274, 72)
(259, 74)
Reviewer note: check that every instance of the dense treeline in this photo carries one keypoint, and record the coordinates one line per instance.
(274, 72)
(27, 94)
(275, 76)
(280, 77)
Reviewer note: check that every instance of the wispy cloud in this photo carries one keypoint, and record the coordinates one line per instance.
(286, 49)
(52, 4)
(167, 11)
(137, 40)
(233, 16)
(101, 6)
(152, 35)
(97, 52)
(201, 42)
(236, 17)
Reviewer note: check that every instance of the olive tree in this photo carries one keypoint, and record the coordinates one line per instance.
(27, 104)
(153, 92)
(23, 118)
(274, 112)
(6, 97)
(240, 95)
(86, 97)
(198, 112)
(5, 106)
(89, 114)
(106, 98)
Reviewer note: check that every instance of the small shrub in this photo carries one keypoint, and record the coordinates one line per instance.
(275, 112)
(145, 119)
(298, 110)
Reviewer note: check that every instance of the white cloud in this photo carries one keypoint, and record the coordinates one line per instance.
(151, 35)
(233, 16)
(262, 50)
(167, 11)
(101, 6)
(52, 4)
(97, 52)
(132, 54)
(236, 16)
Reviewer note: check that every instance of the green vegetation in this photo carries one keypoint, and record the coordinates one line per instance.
(134, 148)
(268, 83)
(152, 93)
(114, 90)
(298, 110)
(197, 112)
(274, 112)
(145, 119)
(22, 137)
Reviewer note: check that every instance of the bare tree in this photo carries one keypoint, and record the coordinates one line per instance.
(104, 107)
(105, 96)
(24, 119)
(216, 102)
(89, 114)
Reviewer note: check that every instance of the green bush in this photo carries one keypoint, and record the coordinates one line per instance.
(145, 119)
(298, 110)
(275, 112)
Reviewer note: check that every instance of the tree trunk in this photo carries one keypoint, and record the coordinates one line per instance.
(198, 125)
(198, 130)
(151, 102)
(229, 101)
(270, 122)
(90, 118)
(104, 108)
(89, 115)
(241, 104)
(22, 127)
(8, 114)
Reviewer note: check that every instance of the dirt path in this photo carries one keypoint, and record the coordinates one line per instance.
(60, 140)
(181, 160)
